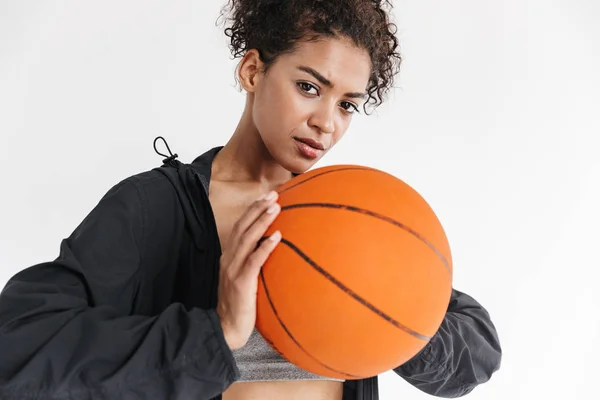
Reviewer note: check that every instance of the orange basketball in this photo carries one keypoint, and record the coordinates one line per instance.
(362, 277)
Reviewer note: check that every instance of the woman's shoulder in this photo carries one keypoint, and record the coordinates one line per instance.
(167, 199)
(175, 194)
(152, 184)
(173, 180)
(161, 192)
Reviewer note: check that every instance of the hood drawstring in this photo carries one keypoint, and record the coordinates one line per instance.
(170, 159)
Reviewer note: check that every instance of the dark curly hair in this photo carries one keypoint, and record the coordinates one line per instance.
(273, 27)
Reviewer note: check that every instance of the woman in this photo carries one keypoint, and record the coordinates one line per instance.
(153, 295)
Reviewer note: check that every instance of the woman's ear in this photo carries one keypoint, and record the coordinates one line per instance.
(249, 70)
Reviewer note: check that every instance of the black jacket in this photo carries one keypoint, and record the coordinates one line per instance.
(127, 310)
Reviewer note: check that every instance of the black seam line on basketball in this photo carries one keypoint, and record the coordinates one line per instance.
(353, 294)
(374, 215)
(325, 173)
(287, 331)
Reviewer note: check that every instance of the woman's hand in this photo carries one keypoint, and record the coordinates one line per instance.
(241, 262)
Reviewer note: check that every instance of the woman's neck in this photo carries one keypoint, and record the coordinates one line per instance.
(246, 159)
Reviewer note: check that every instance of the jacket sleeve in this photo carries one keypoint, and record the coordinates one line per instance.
(66, 329)
(463, 353)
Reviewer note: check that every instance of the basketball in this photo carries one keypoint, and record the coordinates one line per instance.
(362, 277)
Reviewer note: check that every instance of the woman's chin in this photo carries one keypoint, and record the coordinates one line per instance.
(293, 160)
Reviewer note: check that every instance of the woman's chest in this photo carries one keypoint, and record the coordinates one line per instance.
(229, 202)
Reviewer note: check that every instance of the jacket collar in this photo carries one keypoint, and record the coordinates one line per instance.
(203, 165)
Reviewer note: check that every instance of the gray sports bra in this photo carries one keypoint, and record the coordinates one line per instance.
(257, 361)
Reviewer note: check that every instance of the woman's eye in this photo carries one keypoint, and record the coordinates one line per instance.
(349, 107)
(307, 87)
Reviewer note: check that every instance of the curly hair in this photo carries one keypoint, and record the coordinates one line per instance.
(274, 27)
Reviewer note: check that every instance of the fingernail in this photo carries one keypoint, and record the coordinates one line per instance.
(273, 208)
(276, 236)
(271, 195)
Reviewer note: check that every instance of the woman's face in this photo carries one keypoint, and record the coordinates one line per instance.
(303, 105)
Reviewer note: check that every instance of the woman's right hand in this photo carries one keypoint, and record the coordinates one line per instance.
(241, 262)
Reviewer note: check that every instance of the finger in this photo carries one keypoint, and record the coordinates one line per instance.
(257, 259)
(248, 241)
(254, 211)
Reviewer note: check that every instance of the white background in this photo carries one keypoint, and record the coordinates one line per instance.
(496, 122)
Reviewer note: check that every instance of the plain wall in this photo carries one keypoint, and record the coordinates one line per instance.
(495, 122)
